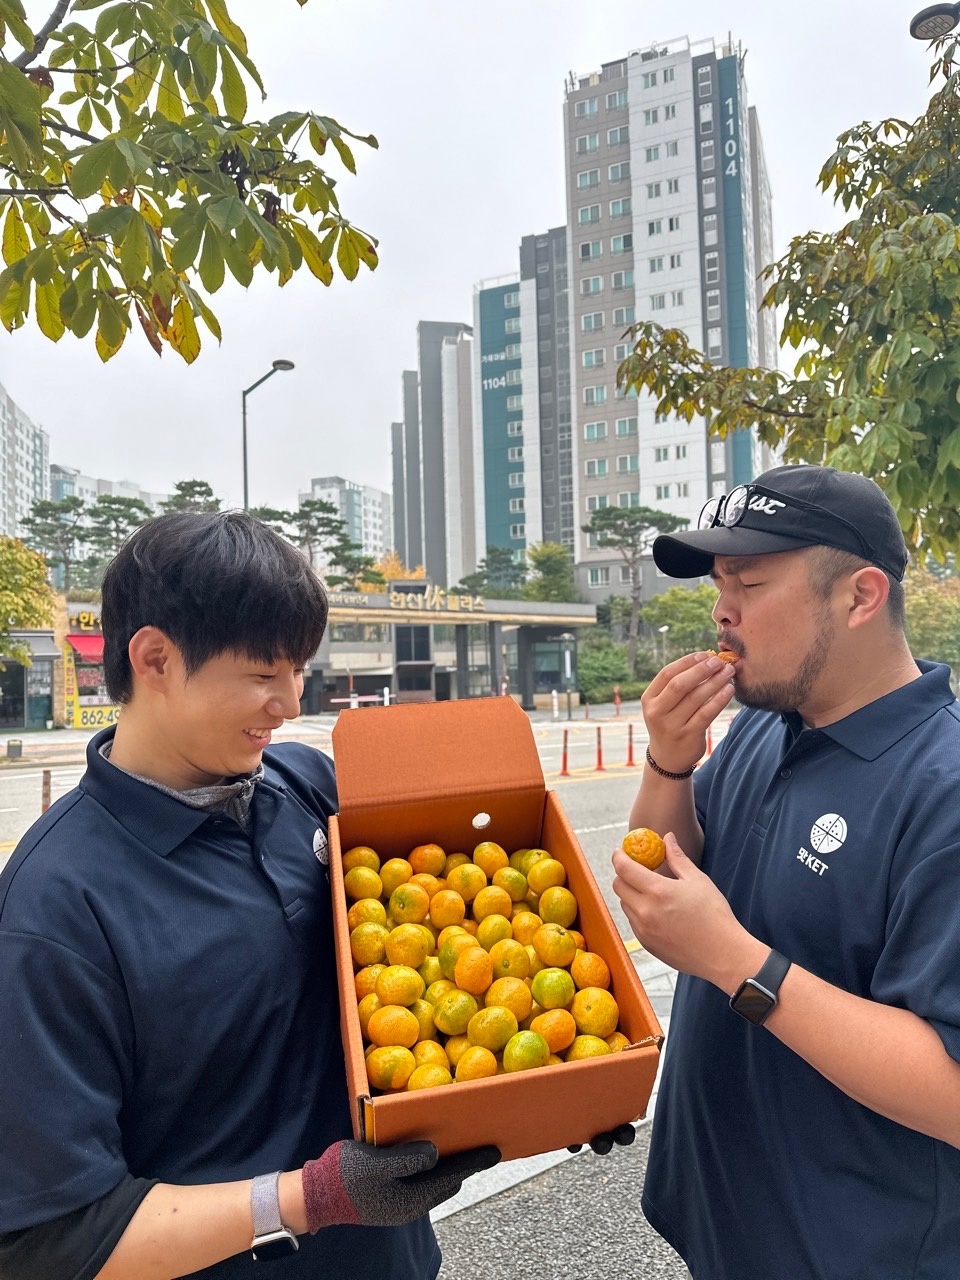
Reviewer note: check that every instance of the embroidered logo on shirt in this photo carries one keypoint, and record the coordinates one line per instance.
(828, 833)
(320, 847)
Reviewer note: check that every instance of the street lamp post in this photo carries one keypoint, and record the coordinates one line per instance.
(567, 642)
(279, 366)
(935, 21)
(663, 643)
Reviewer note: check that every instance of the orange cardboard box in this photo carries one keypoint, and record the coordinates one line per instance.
(413, 774)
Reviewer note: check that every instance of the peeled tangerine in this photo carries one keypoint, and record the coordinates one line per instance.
(644, 846)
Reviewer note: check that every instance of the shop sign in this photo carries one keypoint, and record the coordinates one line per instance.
(85, 620)
(437, 600)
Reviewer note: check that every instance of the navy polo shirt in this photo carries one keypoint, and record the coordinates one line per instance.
(169, 1004)
(840, 847)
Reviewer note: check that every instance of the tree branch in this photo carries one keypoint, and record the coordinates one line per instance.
(43, 35)
(42, 192)
(66, 128)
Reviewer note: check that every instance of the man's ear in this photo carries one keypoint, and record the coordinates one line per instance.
(869, 591)
(152, 653)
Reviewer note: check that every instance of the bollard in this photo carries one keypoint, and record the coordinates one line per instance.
(564, 771)
(354, 699)
(586, 710)
(386, 695)
(555, 699)
(630, 759)
(599, 751)
(45, 792)
(616, 699)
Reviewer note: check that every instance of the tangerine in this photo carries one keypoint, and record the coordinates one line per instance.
(516, 857)
(451, 949)
(438, 988)
(510, 959)
(456, 1047)
(493, 929)
(366, 1008)
(553, 988)
(430, 1051)
(368, 942)
(492, 901)
(617, 1042)
(362, 882)
(587, 1047)
(557, 906)
(446, 931)
(399, 984)
(366, 910)
(512, 994)
(644, 846)
(391, 1024)
(525, 924)
(426, 881)
(366, 979)
(476, 1064)
(529, 858)
(595, 1012)
(361, 855)
(430, 970)
(394, 872)
(590, 970)
(454, 860)
(557, 1027)
(428, 857)
(554, 945)
(545, 874)
(406, 944)
(525, 1051)
(535, 963)
(428, 1076)
(453, 1011)
(447, 908)
(515, 883)
(490, 858)
(473, 970)
(422, 1010)
(491, 1027)
(390, 1067)
(409, 903)
(467, 879)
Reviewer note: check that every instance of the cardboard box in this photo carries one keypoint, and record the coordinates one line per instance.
(409, 775)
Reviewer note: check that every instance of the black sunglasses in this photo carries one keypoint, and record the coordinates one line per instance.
(728, 509)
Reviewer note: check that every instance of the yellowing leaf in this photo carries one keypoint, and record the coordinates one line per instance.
(184, 337)
(347, 257)
(16, 244)
(107, 349)
(169, 102)
(232, 87)
(225, 24)
(312, 254)
(48, 311)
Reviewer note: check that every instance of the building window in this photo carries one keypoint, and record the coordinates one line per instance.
(588, 178)
(673, 186)
(652, 154)
(593, 359)
(658, 302)
(513, 351)
(661, 418)
(515, 454)
(588, 213)
(663, 492)
(707, 156)
(670, 111)
(511, 324)
(653, 190)
(623, 316)
(714, 344)
(598, 577)
(594, 431)
(661, 454)
(709, 193)
(594, 467)
(651, 116)
(591, 284)
(621, 208)
(516, 505)
(586, 107)
(514, 377)
(622, 280)
(706, 118)
(676, 260)
(628, 462)
(596, 502)
(514, 402)
(621, 351)
(676, 298)
(704, 82)
(518, 531)
(656, 264)
(515, 479)
(625, 571)
(511, 299)
(673, 149)
(681, 452)
(514, 428)
(628, 500)
(618, 137)
(616, 100)
(710, 233)
(594, 395)
(622, 244)
(673, 224)
(589, 249)
(619, 172)
(669, 75)
(711, 268)
(683, 490)
(587, 142)
(592, 322)
(648, 79)
(543, 268)
(626, 427)
(713, 304)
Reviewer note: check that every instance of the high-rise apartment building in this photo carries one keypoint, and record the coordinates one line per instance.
(69, 482)
(433, 506)
(460, 463)
(367, 513)
(24, 465)
(669, 216)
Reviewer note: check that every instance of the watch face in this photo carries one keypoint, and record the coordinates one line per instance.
(753, 1002)
(278, 1245)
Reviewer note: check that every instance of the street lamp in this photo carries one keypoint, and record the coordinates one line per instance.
(663, 643)
(279, 366)
(935, 21)
(567, 642)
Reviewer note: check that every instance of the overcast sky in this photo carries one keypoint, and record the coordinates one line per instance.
(465, 97)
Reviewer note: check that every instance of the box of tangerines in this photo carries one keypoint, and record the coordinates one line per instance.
(486, 995)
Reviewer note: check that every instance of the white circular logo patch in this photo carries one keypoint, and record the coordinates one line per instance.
(828, 833)
(320, 846)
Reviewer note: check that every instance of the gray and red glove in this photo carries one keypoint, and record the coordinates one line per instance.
(359, 1184)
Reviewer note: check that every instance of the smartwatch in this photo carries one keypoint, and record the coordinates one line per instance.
(271, 1239)
(756, 998)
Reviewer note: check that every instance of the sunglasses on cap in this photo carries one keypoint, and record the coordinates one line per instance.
(729, 510)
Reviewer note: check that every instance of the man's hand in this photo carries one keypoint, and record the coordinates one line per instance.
(679, 705)
(682, 919)
(356, 1183)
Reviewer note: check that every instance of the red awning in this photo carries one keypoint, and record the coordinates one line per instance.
(90, 648)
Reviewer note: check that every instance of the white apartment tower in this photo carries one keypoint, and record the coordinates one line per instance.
(24, 465)
(669, 219)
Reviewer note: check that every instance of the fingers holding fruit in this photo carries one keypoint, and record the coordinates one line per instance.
(681, 703)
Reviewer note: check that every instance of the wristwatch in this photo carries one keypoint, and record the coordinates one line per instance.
(756, 998)
(271, 1239)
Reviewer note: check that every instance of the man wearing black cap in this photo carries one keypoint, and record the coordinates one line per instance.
(808, 1122)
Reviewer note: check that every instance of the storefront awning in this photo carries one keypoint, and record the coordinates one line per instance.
(90, 648)
(40, 643)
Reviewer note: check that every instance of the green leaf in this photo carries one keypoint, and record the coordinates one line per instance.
(134, 249)
(169, 102)
(348, 259)
(90, 172)
(211, 265)
(16, 243)
(207, 316)
(227, 213)
(241, 268)
(186, 245)
(49, 320)
(232, 87)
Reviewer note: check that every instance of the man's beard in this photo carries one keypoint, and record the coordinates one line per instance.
(788, 695)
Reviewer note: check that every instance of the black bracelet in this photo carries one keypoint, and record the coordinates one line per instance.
(665, 773)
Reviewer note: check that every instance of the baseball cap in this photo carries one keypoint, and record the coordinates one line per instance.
(785, 509)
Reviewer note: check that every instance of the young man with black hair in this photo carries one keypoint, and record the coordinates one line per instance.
(808, 1121)
(172, 1092)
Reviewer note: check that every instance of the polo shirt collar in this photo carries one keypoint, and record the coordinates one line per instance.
(872, 730)
(155, 819)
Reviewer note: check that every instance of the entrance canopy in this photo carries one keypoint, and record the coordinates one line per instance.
(88, 647)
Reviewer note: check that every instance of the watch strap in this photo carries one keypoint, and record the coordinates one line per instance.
(772, 972)
(265, 1204)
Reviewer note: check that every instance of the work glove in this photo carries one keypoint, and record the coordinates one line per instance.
(359, 1184)
(603, 1143)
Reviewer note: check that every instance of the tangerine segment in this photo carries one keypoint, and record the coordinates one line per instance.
(644, 846)
(725, 655)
